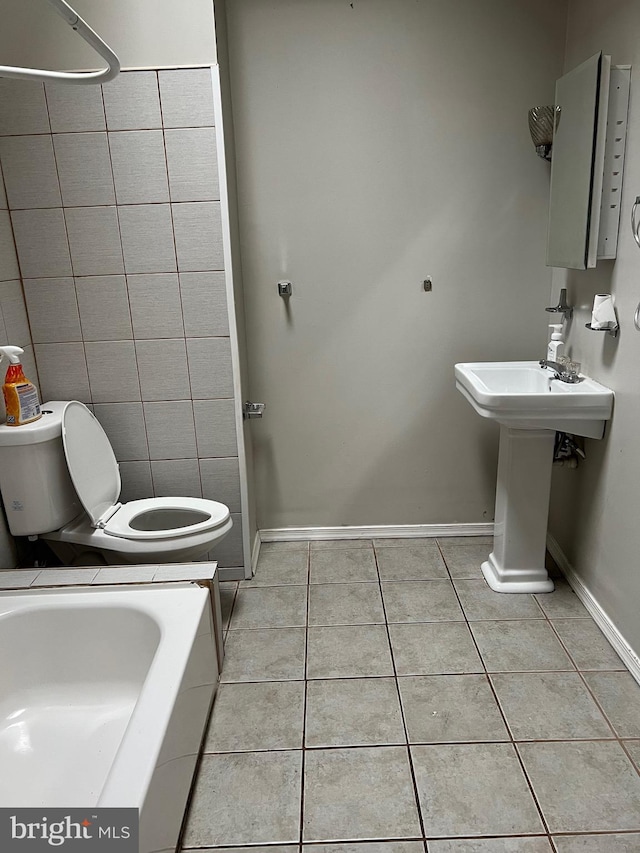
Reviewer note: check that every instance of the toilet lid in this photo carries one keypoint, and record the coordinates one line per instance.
(92, 464)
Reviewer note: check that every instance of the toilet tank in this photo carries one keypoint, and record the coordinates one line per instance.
(37, 492)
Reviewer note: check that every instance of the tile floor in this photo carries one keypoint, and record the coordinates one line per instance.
(378, 696)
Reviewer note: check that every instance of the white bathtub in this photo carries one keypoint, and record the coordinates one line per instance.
(104, 696)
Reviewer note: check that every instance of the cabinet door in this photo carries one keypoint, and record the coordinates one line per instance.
(577, 164)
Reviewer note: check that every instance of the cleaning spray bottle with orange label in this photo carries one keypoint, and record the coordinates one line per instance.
(20, 395)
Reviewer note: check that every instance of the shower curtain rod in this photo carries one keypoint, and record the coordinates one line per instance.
(73, 77)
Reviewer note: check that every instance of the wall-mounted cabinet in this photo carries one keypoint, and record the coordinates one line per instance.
(587, 163)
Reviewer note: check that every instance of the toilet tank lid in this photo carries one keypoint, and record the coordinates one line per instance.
(47, 427)
(92, 464)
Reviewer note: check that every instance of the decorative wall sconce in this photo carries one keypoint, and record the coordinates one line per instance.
(542, 122)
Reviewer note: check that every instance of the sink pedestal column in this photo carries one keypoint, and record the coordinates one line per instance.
(517, 562)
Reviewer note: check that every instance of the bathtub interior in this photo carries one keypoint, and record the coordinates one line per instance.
(71, 680)
(105, 697)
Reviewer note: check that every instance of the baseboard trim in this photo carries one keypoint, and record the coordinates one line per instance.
(383, 531)
(629, 658)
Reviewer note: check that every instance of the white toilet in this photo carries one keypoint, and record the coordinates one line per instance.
(60, 481)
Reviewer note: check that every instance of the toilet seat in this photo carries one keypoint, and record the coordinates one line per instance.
(95, 475)
(207, 515)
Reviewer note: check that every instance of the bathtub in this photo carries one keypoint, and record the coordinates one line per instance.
(104, 697)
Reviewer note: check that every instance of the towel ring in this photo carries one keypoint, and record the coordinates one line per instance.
(635, 227)
(636, 318)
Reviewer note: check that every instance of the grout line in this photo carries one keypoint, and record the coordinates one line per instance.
(396, 839)
(508, 728)
(304, 704)
(414, 782)
(73, 275)
(590, 691)
(543, 833)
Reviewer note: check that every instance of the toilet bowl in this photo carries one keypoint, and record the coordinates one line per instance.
(60, 481)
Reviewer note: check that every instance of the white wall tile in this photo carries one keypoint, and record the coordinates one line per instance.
(113, 376)
(170, 430)
(204, 304)
(176, 478)
(228, 552)
(21, 578)
(95, 240)
(41, 239)
(147, 238)
(84, 168)
(198, 230)
(63, 372)
(74, 109)
(104, 308)
(221, 481)
(53, 310)
(30, 172)
(131, 101)
(28, 360)
(125, 574)
(156, 308)
(14, 313)
(215, 427)
(23, 108)
(187, 97)
(124, 424)
(136, 481)
(8, 259)
(65, 577)
(192, 162)
(210, 368)
(162, 366)
(139, 166)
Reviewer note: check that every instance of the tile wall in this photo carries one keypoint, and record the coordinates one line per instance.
(115, 205)
(14, 329)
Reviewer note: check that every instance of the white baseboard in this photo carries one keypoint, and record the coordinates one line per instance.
(383, 531)
(629, 658)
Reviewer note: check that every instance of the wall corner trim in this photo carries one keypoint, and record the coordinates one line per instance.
(629, 658)
(383, 531)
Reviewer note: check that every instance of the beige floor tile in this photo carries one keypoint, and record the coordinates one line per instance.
(347, 651)
(586, 786)
(359, 794)
(246, 798)
(473, 789)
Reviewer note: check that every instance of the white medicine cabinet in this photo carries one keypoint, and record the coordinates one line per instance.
(587, 163)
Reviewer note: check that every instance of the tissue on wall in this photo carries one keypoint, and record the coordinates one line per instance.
(603, 315)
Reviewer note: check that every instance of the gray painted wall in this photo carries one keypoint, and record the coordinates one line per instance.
(594, 513)
(378, 143)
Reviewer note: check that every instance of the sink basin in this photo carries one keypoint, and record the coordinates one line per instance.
(523, 395)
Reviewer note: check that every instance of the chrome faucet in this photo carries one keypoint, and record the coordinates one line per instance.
(564, 371)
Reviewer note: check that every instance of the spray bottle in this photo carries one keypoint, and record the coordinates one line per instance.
(20, 395)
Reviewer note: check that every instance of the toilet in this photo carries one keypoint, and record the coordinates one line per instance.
(60, 482)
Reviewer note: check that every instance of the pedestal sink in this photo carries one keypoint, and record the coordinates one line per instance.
(530, 405)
